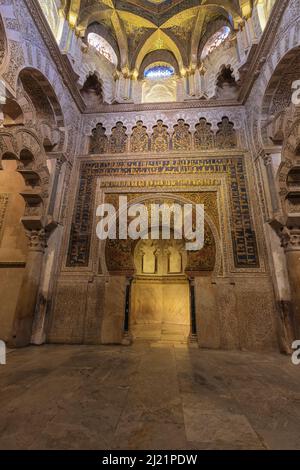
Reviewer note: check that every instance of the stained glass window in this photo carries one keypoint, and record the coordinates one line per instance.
(103, 47)
(159, 71)
(215, 41)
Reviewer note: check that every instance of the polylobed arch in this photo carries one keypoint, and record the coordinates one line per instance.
(18, 141)
(31, 165)
(288, 174)
(92, 91)
(8, 156)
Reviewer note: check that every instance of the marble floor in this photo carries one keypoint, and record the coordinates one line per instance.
(148, 396)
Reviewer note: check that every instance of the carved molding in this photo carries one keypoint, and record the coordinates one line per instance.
(290, 239)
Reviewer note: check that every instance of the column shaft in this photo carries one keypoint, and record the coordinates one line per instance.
(26, 304)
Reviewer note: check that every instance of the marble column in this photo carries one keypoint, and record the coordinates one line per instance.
(193, 332)
(45, 292)
(58, 166)
(291, 244)
(267, 158)
(127, 338)
(26, 304)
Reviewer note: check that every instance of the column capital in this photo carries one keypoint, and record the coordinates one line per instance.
(265, 156)
(37, 240)
(61, 159)
(290, 239)
(267, 159)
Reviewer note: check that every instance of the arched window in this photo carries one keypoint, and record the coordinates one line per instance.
(103, 47)
(159, 71)
(215, 41)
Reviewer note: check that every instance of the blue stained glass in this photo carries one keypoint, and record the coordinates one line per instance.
(159, 71)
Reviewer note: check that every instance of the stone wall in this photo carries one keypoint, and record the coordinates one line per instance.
(236, 314)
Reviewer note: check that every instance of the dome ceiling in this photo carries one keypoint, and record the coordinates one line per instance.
(137, 28)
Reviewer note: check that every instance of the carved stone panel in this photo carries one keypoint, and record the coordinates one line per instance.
(226, 135)
(118, 139)
(139, 140)
(204, 137)
(181, 138)
(99, 140)
(160, 138)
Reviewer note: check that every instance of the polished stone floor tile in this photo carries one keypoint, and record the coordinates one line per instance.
(148, 396)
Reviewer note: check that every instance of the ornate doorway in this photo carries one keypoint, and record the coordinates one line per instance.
(160, 297)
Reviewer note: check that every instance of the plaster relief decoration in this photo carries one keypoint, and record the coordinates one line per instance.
(118, 139)
(181, 139)
(139, 140)
(99, 140)
(226, 135)
(160, 137)
(204, 137)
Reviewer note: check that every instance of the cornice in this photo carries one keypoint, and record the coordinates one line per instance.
(61, 61)
(131, 107)
(263, 48)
